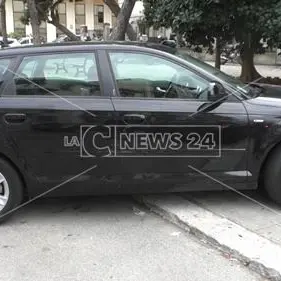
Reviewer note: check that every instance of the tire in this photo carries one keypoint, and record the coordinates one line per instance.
(272, 176)
(11, 187)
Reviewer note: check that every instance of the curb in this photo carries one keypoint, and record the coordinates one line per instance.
(254, 251)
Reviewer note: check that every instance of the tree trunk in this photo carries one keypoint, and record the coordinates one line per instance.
(3, 22)
(115, 9)
(179, 39)
(64, 30)
(34, 21)
(119, 31)
(218, 54)
(56, 22)
(248, 72)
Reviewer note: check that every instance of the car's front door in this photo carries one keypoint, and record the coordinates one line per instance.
(47, 109)
(174, 147)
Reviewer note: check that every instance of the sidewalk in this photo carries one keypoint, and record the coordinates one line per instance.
(243, 212)
(269, 58)
(264, 70)
(240, 228)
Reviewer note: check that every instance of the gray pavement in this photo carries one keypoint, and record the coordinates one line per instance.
(109, 238)
(243, 211)
(259, 253)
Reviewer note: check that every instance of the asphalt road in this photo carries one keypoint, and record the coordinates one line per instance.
(109, 238)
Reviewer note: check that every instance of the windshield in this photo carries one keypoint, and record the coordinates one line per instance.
(243, 89)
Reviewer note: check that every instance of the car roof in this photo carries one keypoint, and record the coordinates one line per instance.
(84, 46)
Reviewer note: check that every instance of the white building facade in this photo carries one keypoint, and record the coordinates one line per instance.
(73, 14)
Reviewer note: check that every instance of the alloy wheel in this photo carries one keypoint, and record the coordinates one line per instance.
(4, 192)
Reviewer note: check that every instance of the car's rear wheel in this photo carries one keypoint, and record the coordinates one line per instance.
(272, 176)
(11, 189)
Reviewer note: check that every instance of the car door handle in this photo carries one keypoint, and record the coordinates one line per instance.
(15, 117)
(133, 118)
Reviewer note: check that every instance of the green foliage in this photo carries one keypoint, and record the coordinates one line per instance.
(16, 35)
(201, 20)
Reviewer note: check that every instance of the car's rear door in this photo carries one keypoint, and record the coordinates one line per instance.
(157, 101)
(43, 108)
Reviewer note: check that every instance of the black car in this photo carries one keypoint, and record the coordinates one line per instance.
(104, 118)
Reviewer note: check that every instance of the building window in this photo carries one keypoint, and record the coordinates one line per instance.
(99, 15)
(18, 10)
(62, 16)
(80, 18)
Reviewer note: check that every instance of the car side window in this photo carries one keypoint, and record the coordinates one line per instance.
(27, 69)
(67, 74)
(4, 64)
(140, 75)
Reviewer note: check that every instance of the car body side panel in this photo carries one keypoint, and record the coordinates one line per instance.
(47, 143)
(175, 174)
(265, 131)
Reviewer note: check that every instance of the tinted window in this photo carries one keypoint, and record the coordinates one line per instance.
(143, 75)
(67, 74)
(4, 64)
(235, 83)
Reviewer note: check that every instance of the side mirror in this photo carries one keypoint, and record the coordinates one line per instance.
(216, 91)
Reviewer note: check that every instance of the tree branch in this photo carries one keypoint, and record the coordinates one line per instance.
(115, 9)
(122, 21)
(56, 22)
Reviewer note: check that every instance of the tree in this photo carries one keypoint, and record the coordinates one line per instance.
(3, 21)
(192, 20)
(115, 9)
(200, 21)
(122, 21)
(252, 21)
(34, 21)
(48, 12)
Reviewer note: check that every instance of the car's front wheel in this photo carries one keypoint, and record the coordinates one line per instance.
(272, 176)
(11, 189)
